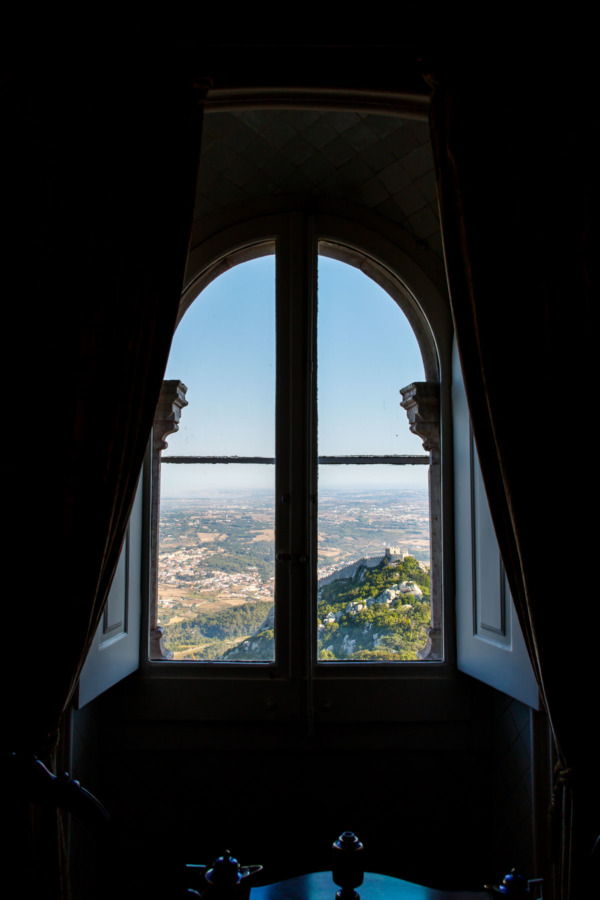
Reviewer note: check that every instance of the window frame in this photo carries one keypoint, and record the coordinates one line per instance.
(297, 685)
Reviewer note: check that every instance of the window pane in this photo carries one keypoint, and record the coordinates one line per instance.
(216, 568)
(374, 596)
(224, 351)
(367, 351)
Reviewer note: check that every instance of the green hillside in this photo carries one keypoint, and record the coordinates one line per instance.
(208, 636)
(380, 613)
(366, 627)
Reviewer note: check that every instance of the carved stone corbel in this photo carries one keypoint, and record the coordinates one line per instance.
(166, 422)
(168, 412)
(421, 400)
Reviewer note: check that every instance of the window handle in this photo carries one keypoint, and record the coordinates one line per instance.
(291, 558)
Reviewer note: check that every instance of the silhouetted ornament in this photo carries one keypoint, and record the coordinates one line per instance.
(513, 887)
(348, 867)
(224, 879)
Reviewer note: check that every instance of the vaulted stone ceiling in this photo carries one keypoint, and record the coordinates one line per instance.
(377, 161)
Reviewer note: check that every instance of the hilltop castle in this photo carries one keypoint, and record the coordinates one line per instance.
(394, 554)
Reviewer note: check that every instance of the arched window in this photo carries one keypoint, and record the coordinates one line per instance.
(299, 526)
(331, 607)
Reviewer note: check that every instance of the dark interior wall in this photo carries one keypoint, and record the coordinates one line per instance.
(431, 801)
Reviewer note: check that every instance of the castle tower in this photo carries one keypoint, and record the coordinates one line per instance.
(394, 553)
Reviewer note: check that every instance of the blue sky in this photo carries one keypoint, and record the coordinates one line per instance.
(224, 351)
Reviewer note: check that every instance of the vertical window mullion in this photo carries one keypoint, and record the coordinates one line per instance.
(295, 290)
(282, 453)
(313, 494)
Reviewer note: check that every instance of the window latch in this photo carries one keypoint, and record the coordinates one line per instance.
(291, 558)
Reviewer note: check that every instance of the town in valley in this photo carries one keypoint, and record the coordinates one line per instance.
(216, 574)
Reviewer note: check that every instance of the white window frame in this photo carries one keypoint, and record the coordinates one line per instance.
(115, 649)
(490, 644)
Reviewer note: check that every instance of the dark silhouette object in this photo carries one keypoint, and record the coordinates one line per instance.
(348, 867)
(224, 880)
(514, 886)
(31, 781)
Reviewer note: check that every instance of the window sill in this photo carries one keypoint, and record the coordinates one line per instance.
(189, 692)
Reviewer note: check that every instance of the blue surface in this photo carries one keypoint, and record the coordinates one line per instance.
(320, 886)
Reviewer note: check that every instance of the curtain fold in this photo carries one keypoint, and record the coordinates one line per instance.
(512, 142)
(102, 179)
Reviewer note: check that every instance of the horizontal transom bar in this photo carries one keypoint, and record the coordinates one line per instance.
(323, 460)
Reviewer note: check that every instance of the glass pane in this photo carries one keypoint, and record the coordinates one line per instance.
(373, 601)
(224, 352)
(216, 561)
(367, 351)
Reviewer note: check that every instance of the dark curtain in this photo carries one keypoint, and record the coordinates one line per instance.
(512, 134)
(101, 175)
